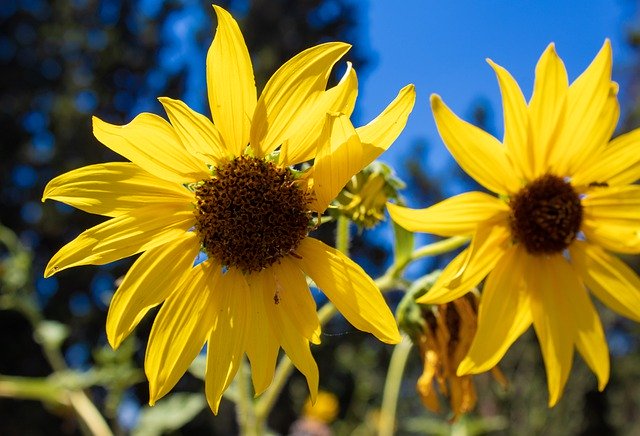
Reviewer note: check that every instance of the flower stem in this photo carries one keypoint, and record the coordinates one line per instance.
(247, 420)
(392, 387)
(343, 237)
(389, 280)
(283, 371)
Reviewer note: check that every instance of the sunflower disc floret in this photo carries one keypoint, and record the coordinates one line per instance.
(251, 213)
(546, 215)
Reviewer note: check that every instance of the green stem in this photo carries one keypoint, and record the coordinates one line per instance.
(268, 399)
(389, 280)
(343, 237)
(32, 388)
(392, 387)
(91, 420)
(249, 425)
(283, 371)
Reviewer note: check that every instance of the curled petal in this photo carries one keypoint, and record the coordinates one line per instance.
(295, 87)
(380, 133)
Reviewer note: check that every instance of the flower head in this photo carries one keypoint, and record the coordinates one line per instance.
(565, 200)
(364, 198)
(228, 188)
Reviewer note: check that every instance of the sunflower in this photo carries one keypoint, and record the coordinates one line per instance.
(565, 201)
(230, 189)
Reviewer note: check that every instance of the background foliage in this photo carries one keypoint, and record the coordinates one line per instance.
(62, 62)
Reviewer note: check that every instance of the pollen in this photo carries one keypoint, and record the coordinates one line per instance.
(546, 215)
(251, 213)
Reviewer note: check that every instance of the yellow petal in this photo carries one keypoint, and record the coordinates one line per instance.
(294, 297)
(615, 235)
(613, 282)
(467, 270)
(151, 143)
(503, 316)
(149, 281)
(349, 288)
(338, 159)
(585, 129)
(590, 340)
(547, 107)
(124, 236)
(228, 339)
(295, 85)
(552, 317)
(516, 123)
(196, 132)
(612, 217)
(230, 83)
(459, 215)
(380, 133)
(290, 338)
(478, 153)
(180, 331)
(619, 204)
(302, 146)
(618, 164)
(601, 133)
(262, 344)
(112, 189)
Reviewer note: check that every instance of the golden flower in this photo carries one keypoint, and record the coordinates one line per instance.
(227, 188)
(565, 199)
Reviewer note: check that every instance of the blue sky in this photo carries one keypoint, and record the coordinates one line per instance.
(441, 47)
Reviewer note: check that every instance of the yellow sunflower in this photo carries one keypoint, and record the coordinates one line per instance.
(565, 200)
(228, 189)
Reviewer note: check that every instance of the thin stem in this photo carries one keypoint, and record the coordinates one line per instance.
(284, 370)
(268, 399)
(249, 425)
(389, 280)
(392, 387)
(91, 420)
(343, 237)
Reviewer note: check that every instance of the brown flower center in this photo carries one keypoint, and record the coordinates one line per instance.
(251, 213)
(546, 215)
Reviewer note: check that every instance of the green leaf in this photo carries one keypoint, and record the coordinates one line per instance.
(169, 414)
(403, 244)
